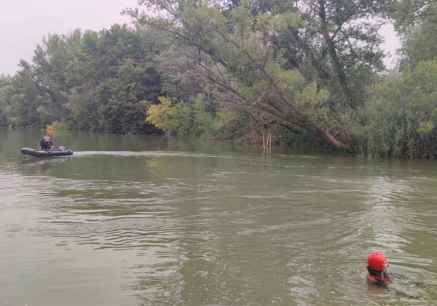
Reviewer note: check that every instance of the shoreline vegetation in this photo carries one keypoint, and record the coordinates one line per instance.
(296, 73)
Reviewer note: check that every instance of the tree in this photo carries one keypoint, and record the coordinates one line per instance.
(264, 55)
(26, 102)
(90, 80)
(403, 114)
(4, 89)
(408, 13)
(188, 119)
(421, 42)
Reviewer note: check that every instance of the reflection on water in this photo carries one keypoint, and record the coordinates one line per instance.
(134, 221)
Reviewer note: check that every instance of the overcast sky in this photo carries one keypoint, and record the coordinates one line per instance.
(23, 24)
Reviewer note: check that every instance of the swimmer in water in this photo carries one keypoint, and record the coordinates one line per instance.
(377, 265)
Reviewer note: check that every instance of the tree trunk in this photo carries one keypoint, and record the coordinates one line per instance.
(337, 65)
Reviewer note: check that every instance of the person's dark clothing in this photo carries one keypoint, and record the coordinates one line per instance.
(46, 143)
(380, 278)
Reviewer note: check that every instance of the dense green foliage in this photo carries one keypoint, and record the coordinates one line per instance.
(4, 85)
(93, 80)
(302, 66)
(192, 119)
(300, 71)
(402, 112)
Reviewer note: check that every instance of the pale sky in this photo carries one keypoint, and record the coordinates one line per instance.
(24, 23)
(391, 45)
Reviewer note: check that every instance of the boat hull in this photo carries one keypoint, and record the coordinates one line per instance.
(42, 153)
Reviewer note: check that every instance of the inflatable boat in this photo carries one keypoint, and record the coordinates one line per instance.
(41, 153)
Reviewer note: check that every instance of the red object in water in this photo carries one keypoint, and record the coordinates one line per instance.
(376, 261)
(376, 265)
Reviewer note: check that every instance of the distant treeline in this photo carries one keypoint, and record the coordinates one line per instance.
(92, 80)
(306, 73)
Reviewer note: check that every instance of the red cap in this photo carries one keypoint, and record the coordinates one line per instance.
(376, 261)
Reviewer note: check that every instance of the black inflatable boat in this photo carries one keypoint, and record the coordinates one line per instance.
(51, 153)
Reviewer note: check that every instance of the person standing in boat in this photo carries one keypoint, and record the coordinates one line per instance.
(46, 143)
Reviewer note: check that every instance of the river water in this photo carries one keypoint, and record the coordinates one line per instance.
(142, 221)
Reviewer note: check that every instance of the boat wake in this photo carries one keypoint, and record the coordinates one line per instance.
(145, 154)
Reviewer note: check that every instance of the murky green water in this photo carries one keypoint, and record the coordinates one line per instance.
(140, 221)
